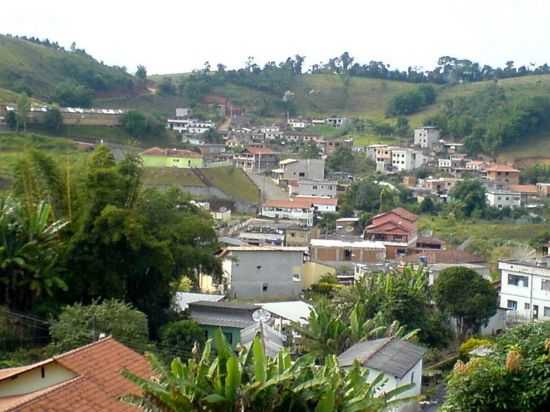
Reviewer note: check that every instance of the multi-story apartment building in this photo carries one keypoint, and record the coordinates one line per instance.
(503, 198)
(525, 288)
(406, 159)
(426, 136)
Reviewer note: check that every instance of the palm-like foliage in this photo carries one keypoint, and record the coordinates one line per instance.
(331, 331)
(28, 253)
(251, 381)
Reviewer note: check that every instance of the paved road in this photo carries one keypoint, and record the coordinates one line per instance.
(269, 188)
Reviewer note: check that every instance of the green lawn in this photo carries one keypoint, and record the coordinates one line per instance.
(535, 149)
(164, 176)
(365, 140)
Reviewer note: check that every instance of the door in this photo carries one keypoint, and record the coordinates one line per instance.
(535, 312)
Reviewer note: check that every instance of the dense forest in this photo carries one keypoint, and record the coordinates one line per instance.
(491, 119)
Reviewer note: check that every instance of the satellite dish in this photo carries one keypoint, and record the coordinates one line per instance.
(261, 315)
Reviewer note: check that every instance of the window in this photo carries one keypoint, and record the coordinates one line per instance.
(302, 174)
(264, 287)
(527, 306)
(545, 285)
(412, 377)
(512, 304)
(517, 280)
(228, 337)
(546, 312)
(296, 277)
(347, 254)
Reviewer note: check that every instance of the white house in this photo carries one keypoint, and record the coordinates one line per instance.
(426, 136)
(301, 208)
(525, 288)
(444, 163)
(337, 121)
(191, 126)
(323, 188)
(399, 361)
(503, 198)
(297, 123)
(405, 159)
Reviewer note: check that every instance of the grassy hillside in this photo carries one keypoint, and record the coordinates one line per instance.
(231, 181)
(12, 147)
(41, 68)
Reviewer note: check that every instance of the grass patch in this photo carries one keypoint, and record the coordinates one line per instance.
(455, 232)
(13, 146)
(166, 176)
(365, 140)
(234, 182)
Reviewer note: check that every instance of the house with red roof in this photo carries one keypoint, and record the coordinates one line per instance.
(301, 208)
(396, 229)
(256, 159)
(502, 174)
(86, 379)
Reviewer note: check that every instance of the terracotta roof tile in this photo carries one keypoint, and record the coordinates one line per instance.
(259, 150)
(524, 188)
(500, 168)
(305, 202)
(99, 384)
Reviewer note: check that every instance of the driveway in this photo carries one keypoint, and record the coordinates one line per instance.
(268, 187)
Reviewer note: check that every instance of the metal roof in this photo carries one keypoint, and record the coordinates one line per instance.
(273, 341)
(220, 320)
(183, 299)
(295, 311)
(391, 356)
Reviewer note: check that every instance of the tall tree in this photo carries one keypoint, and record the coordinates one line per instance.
(466, 296)
(23, 109)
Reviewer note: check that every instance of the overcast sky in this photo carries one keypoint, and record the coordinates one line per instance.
(178, 36)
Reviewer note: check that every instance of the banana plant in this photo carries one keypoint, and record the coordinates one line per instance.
(249, 381)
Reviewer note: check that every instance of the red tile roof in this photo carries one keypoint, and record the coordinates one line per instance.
(399, 211)
(259, 150)
(98, 386)
(304, 202)
(524, 188)
(500, 168)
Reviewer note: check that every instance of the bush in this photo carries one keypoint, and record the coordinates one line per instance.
(79, 325)
(515, 377)
(53, 120)
(71, 94)
(138, 124)
(412, 101)
(11, 120)
(178, 338)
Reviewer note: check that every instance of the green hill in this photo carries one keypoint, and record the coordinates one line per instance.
(39, 67)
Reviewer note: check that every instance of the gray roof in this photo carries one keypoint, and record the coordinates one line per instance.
(183, 299)
(392, 356)
(225, 305)
(221, 321)
(223, 314)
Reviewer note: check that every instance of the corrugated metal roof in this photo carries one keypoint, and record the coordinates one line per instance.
(220, 320)
(391, 356)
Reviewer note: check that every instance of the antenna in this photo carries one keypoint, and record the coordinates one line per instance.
(261, 315)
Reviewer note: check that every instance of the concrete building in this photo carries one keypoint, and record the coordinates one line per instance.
(502, 175)
(263, 272)
(298, 169)
(528, 193)
(256, 159)
(329, 146)
(298, 123)
(543, 189)
(406, 159)
(426, 137)
(182, 159)
(356, 250)
(503, 198)
(189, 126)
(441, 185)
(525, 288)
(315, 188)
(299, 208)
(399, 361)
(337, 122)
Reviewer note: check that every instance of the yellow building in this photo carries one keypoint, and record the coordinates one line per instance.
(183, 159)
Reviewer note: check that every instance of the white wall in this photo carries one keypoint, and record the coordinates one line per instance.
(526, 295)
(32, 380)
